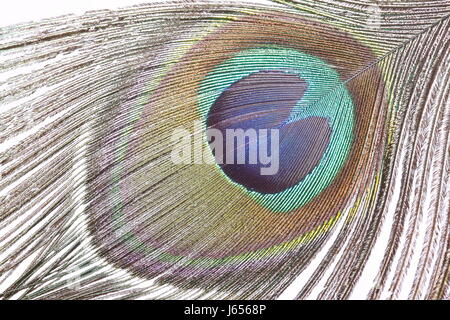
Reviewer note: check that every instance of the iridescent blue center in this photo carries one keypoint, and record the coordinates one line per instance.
(265, 100)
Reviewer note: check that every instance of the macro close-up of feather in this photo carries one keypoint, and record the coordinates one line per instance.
(226, 150)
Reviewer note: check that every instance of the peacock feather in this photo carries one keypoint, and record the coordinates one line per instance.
(111, 185)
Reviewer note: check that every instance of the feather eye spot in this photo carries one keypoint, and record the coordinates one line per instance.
(264, 101)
